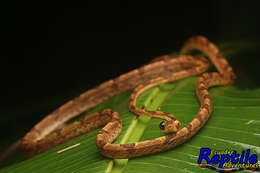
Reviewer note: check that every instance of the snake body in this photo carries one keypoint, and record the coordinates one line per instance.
(163, 69)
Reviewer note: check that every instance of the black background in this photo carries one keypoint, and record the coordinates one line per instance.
(51, 53)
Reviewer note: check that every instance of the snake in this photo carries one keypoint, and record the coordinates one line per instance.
(52, 131)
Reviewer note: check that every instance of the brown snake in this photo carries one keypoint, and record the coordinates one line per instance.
(161, 70)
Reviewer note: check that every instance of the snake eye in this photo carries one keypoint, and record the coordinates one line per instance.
(162, 127)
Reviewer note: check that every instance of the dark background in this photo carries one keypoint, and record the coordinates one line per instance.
(51, 53)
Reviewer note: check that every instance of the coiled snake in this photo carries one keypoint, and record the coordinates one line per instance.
(161, 70)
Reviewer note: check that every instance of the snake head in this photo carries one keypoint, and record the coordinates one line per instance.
(170, 126)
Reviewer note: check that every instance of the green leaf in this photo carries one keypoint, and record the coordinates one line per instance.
(234, 124)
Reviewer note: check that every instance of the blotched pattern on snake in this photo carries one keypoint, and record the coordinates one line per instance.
(161, 70)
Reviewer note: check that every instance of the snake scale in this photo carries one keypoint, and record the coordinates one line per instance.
(45, 135)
